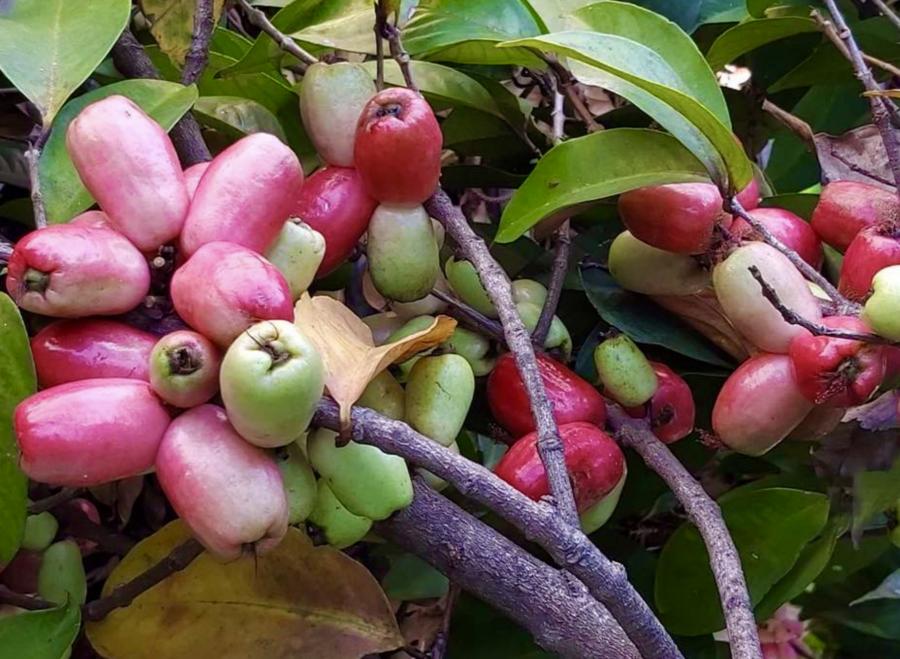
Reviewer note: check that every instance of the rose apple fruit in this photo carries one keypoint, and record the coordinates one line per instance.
(184, 368)
(472, 347)
(61, 578)
(403, 256)
(597, 515)
(385, 395)
(529, 290)
(39, 532)
(790, 229)
(439, 391)
(96, 219)
(671, 409)
(873, 249)
(626, 374)
(882, 309)
(642, 268)
(340, 527)
(192, 176)
(847, 207)
(297, 253)
(558, 337)
(465, 282)
(299, 482)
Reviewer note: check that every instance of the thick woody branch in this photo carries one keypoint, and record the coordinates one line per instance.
(198, 53)
(258, 18)
(707, 517)
(557, 279)
(471, 317)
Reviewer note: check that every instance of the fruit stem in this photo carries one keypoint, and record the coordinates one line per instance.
(288, 45)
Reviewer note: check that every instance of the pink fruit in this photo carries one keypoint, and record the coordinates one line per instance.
(846, 207)
(224, 288)
(184, 369)
(788, 228)
(228, 492)
(671, 409)
(95, 219)
(873, 249)
(749, 197)
(127, 162)
(90, 432)
(192, 176)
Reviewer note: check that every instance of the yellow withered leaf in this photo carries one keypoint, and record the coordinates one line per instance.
(172, 24)
(296, 601)
(351, 358)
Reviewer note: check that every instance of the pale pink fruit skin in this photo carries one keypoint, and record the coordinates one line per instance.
(192, 176)
(228, 492)
(196, 388)
(92, 271)
(759, 405)
(90, 432)
(245, 196)
(224, 288)
(127, 162)
(96, 219)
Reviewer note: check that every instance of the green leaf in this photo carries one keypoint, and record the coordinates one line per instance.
(481, 632)
(64, 194)
(237, 117)
(586, 169)
(17, 383)
(349, 30)
(13, 167)
(686, 13)
(40, 634)
(761, 8)
(752, 34)
(722, 11)
(49, 47)
(770, 529)
(411, 578)
(172, 24)
(874, 492)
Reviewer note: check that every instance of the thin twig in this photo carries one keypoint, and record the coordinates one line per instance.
(395, 44)
(27, 602)
(471, 317)
(559, 116)
(557, 279)
(442, 641)
(792, 122)
(567, 82)
(198, 54)
(258, 18)
(707, 517)
(32, 158)
(887, 12)
(829, 31)
(52, 501)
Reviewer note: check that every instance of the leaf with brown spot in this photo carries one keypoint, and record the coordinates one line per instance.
(296, 601)
(172, 24)
(857, 155)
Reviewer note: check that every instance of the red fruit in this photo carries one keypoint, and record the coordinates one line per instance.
(788, 228)
(334, 202)
(594, 461)
(749, 197)
(224, 288)
(846, 207)
(245, 196)
(671, 409)
(572, 397)
(77, 270)
(873, 248)
(71, 350)
(398, 147)
(837, 372)
(228, 492)
(90, 432)
(192, 176)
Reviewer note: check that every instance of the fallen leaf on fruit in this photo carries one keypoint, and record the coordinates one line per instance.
(297, 601)
(351, 358)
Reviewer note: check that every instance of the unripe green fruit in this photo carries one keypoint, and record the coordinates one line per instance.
(299, 482)
(472, 347)
(598, 514)
(40, 530)
(404, 261)
(466, 284)
(366, 480)
(411, 326)
(642, 268)
(384, 395)
(882, 309)
(558, 338)
(626, 374)
(529, 290)
(61, 578)
(436, 482)
(428, 305)
(438, 395)
(297, 253)
(341, 527)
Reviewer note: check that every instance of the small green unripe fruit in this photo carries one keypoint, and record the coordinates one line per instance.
(40, 530)
(411, 326)
(366, 480)
(464, 281)
(624, 371)
(384, 395)
(598, 514)
(472, 347)
(529, 290)
(341, 527)
(558, 337)
(297, 253)
(642, 268)
(438, 395)
(404, 261)
(299, 482)
(883, 307)
(61, 577)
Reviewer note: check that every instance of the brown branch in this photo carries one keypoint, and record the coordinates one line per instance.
(32, 158)
(707, 517)
(258, 18)
(567, 82)
(395, 44)
(471, 317)
(52, 501)
(554, 290)
(198, 54)
(27, 602)
(792, 122)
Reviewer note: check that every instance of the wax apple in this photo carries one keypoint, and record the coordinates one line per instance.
(882, 309)
(558, 337)
(192, 176)
(128, 163)
(70, 350)
(671, 409)
(90, 432)
(271, 379)
(39, 532)
(95, 219)
(398, 147)
(299, 482)
(626, 374)
(847, 207)
(572, 397)
(340, 527)
(76, 270)
(642, 268)
(224, 288)
(873, 249)
(297, 253)
(428, 305)
(529, 290)
(403, 256)
(595, 516)
(439, 391)
(61, 578)
(385, 395)
(228, 492)
(245, 196)
(472, 347)
(790, 229)
(465, 282)
(184, 368)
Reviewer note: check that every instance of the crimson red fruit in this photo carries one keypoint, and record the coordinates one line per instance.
(671, 409)
(398, 147)
(594, 461)
(873, 248)
(572, 397)
(846, 207)
(77, 270)
(192, 176)
(90, 432)
(184, 368)
(788, 228)
(224, 288)
(70, 350)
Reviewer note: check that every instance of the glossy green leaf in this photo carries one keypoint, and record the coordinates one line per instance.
(351, 31)
(49, 47)
(237, 116)
(752, 34)
(44, 634)
(587, 169)
(760, 8)
(557, 15)
(770, 529)
(64, 194)
(17, 383)
(874, 492)
(722, 11)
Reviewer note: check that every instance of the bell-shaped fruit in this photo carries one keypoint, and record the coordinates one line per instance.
(334, 202)
(385, 395)
(403, 256)
(192, 176)
(40, 530)
(90, 432)
(128, 163)
(464, 280)
(473, 347)
(671, 409)
(558, 337)
(367, 481)
(872, 250)
(297, 253)
(228, 492)
(428, 305)
(790, 229)
(642, 268)
(224, 288)
(340, 527)
(882, 309)
(572, 397)
(439, 391)
(529, 290)
(71, 350)
(597, 515)
(397, 150)
(759, 405)
(742, 300)
(413, 325)
(299, 482)
(245, 196)
(271, 379)
(749, 197)
(70, 271)
(61, 578)
(184, 369)
(847, 207)
(624, 371)
(332, 97)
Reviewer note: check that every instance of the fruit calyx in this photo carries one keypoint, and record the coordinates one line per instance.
(35, 281)
(184, 361)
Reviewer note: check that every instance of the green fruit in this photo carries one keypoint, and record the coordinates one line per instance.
(598, 514)
(882, 309)
(299, 481)
(297, 252)
(61, 577)
(341, 527)
(438, 395)
(428, 305)
(558, 338)
(624, 371)
(384, 395)
(271, 380)
(472, 347)
(642, 268)
(436, 482)
(366, 480)
(411, 326)
(529, 290)
(40, 530)
(464, 281)
(404, 261)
